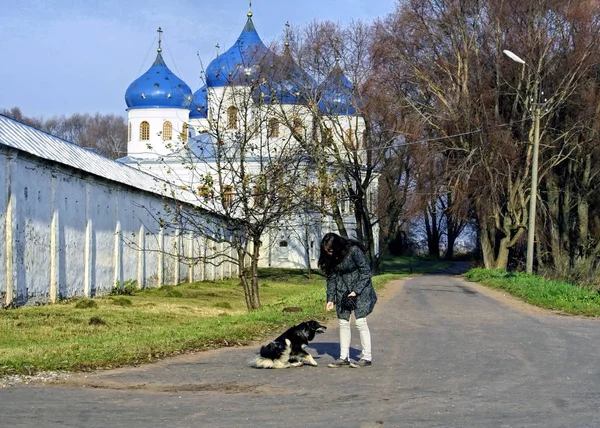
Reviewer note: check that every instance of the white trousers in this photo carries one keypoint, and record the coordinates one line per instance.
(346, 335)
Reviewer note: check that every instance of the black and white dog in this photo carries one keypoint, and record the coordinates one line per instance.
(288, 349)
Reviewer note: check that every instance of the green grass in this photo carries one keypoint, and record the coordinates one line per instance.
(533, 289)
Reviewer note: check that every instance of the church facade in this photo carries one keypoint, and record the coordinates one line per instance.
(256, 110)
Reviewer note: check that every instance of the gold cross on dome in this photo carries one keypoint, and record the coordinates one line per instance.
(159, 31)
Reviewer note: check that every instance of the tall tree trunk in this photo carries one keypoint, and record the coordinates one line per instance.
(559, 260)
(307, 249)
(583, 209)
(487, 246)
(433, 234)
(494, 258)
(565, 238)
(254, 293)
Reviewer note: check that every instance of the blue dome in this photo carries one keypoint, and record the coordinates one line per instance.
(338, 97)
(199, 106)
(158, 87)
(241, 62)
(287, 83)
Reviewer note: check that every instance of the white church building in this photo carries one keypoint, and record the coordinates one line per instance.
(255, 98)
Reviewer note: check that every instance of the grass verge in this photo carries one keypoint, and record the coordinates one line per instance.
(533, 289)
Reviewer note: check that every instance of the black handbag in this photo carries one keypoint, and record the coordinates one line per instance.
(348, 303)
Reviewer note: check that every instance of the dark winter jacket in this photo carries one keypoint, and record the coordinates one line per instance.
(352, 274)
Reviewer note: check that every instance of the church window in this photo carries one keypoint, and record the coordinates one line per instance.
(273, 130)
(144, 131)
(342, 201)
(349, 140)
(260, 191)
(167, 131)
(227, 196)
(372, 200)
(184, 132)
(232, 118)
(256, 129)
(129, 131)
(297, 124)
(328, 136)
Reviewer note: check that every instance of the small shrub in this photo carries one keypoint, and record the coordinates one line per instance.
(86, 304)
(127, 288)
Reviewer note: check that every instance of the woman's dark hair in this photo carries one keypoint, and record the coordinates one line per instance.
(339, 247)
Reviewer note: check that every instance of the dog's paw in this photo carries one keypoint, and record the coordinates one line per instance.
(297, 364)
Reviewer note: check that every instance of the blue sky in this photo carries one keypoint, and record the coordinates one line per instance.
(79, 56)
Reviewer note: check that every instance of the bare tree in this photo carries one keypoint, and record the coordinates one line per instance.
(475, 104)
(345, 136)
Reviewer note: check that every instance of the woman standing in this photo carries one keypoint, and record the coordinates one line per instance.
(349, 289)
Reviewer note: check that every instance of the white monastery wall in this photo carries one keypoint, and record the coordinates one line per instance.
(66, 233)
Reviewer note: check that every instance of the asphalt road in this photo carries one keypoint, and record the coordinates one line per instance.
(445, 354)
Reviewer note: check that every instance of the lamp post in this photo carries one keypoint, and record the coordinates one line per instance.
(534, 173)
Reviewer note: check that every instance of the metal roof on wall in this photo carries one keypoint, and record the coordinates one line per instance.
(25, 138)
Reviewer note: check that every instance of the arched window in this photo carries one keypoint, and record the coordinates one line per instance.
(273, 129)
(167, 131)
(129, 131)
(327, 136)
(184, 132)
(349, 139)
(372, 200)
(232, 118)
(260, 191)
(227, 196)
(144, 131)
(297, 124)
(342, 200)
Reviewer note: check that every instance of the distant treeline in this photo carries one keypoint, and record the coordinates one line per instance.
(103, 133)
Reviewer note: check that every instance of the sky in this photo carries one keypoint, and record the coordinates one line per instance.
(62, 57)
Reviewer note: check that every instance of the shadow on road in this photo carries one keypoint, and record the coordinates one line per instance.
(332, 349)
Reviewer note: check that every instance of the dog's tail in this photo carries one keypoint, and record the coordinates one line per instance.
(264, 363)
(275, 355)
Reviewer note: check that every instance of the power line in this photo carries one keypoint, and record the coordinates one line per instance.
(429, 140)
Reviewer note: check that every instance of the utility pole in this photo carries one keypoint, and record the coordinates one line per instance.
(534, 183)
(537, 112)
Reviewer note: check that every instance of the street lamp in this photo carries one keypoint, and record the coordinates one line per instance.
(534, 172)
